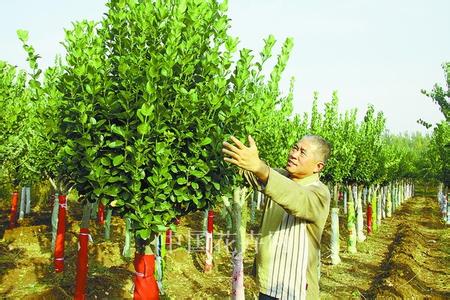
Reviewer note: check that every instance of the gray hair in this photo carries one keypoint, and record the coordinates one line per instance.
(322, 145)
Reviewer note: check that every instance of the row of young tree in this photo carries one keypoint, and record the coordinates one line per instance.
(135, 113)
(437, 160)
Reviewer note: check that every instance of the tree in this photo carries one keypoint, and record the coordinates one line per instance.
(439, 150)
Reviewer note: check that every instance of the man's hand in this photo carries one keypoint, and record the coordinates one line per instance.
(246, 158)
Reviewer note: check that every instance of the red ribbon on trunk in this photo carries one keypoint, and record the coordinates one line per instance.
(369, 219)
(59, 244)
(101, 213)
(210, 220)
(13, 213)
(82, 265)
(169, 237)
(145, 286)
(209, 242)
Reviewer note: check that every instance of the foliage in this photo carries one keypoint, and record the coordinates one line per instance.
(149, 94)
(439, 148)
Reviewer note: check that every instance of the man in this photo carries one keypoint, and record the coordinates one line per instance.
(294, 217)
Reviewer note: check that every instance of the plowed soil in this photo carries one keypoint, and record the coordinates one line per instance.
(408, 257)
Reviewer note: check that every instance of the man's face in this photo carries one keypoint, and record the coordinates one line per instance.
(302, 160)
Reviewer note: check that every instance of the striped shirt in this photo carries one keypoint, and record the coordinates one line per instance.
(288, 250)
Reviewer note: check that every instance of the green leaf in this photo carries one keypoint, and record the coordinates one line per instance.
(205, 141)
(148, 87)
(183, 91)
(181, 180)
(173, 227)
(105, 161)
(117, 160)
(197, 173)
(113, 179)
(69, 151)
(129, 149)
(160, 147)
(84, 118)
(118, 130)
(161, 228)
(89, 89)
(195, 185)
(84, 142)
(223, 6)
(98, 191)
(182, 7)
(115, 144)
(23, 35)
(117, 203)
(113, 191)
(216, 185)
(147, 110)
(144, 128)
(144, 233)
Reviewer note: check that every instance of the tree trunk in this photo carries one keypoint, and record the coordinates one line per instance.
(108, 224)
(351, 218)
(100, 213)
(227, 214)
(379, 200)
(94, 210)
(82, 262)
(13, 213)
(365, 192)
(240, 222)
(145, 285)
(335, 259)
(209, 241)
(22, 203)
(253, 205)
(28, 197)
(369, 219)
(388, 201)
(159, 261)
(359, 214)
(127, 246)
(345, 203)
(60, 237)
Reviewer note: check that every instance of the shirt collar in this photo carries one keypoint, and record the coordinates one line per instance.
(310, 179)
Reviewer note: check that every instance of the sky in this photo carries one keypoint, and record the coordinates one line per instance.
(371, 52)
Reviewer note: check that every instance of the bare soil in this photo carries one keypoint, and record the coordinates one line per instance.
(408, 257)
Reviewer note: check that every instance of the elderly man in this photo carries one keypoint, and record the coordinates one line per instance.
(294, 217)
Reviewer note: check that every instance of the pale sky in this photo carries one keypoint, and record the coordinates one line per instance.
(380, 52)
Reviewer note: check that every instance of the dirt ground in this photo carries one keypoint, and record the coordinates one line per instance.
(408, 257)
